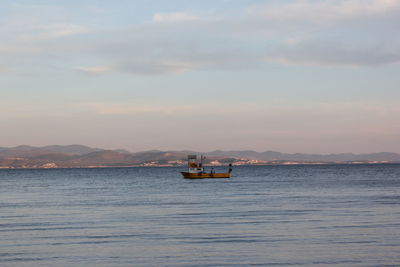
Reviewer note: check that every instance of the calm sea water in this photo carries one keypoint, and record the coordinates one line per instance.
(336, 215)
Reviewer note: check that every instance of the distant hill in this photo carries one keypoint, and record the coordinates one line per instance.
(71, 149)
(30, 151)
(83, 156)
(273, 156)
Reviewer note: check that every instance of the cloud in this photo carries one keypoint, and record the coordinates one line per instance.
(40, 32)
(24, 22)
(338, 33)
(333, 110)
(157, 108)
(181, 63)
(330, 33)
(317, 52)
(149, 67)
(321, 12)
(300, 32)
(96, 69)
(4, 69)
(173, 17)
(140, 67)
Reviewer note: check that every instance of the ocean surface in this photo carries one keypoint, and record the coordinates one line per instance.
(326, 215)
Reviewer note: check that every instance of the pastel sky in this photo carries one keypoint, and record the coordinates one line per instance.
(306, 76)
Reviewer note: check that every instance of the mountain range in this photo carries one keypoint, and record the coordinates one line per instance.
(71, 156)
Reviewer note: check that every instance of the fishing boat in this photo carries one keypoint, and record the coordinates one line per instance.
(196, 170)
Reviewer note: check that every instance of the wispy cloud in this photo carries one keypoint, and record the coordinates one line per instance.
(118, 109)
(326, 109)
(151, 67)
(96, 69)
(299, 32)
(4, 69)
(334, 33)
(341, 32)
(174, 17)
(321, 12)
(43, 32)
(317, 52)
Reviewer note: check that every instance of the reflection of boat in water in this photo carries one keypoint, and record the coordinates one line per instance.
(196, 170)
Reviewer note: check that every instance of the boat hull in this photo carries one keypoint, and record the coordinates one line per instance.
(189, 175)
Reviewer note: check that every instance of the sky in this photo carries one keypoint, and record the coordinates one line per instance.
(307, 76)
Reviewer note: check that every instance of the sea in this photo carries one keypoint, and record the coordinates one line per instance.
(289, 215)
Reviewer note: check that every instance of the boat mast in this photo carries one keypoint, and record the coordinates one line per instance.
(201, 163)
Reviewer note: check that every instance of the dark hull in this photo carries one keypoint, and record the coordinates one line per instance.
(188, 175)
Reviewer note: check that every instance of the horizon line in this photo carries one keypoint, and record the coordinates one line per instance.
(191, 150)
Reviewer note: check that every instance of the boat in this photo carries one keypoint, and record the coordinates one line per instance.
(196, 170)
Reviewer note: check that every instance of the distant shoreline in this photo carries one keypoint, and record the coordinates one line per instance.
(79, 156)
(210, 166)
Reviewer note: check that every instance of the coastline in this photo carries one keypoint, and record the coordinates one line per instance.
(288, 163)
